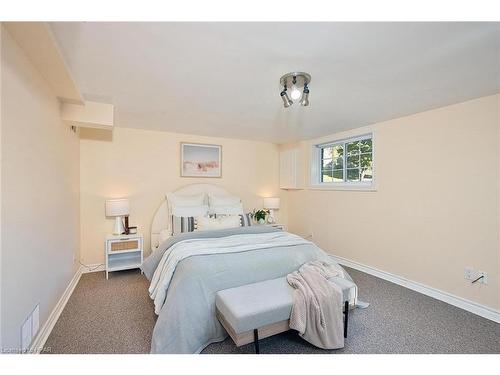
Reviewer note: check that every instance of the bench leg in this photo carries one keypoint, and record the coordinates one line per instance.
(256, 340)
(346, 318)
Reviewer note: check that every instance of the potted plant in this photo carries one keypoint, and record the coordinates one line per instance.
(260, 215)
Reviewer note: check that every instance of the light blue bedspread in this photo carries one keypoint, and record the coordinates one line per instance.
(187, 321)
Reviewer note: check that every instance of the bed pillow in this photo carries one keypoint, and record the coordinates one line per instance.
(178, 200)
(234, 209)
(164, 235)
(187, 211)
(182, 224)
(223, 200)
(246, 220)
(214, 223)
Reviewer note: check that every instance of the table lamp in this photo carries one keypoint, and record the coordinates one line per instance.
(271, 204)
(117, 208)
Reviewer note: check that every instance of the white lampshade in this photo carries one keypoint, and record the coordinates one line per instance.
(272, 203)
(117, 207)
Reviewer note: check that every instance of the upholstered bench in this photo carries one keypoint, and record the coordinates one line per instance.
(254, 311)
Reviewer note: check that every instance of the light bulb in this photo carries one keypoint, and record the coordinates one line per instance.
(295, 94)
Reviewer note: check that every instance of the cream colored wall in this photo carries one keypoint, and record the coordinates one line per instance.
(144, 165)
(436, 208)
(1, 64)
(40, 202)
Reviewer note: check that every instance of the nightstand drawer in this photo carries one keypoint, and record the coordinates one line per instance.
(124, 245)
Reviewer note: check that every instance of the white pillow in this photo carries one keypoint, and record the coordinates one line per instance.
(235, 209)
(185, 200)
(164, 235)
(213, 223)
(223, 200)
(187, 211)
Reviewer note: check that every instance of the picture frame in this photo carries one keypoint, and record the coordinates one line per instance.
(201, 160)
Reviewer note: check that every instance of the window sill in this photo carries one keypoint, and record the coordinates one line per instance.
(343, 187)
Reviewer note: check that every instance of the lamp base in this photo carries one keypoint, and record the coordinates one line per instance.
(119, 228)
(270, 219)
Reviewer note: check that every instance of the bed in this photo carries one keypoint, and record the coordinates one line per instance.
(187, 270)
(161, 218)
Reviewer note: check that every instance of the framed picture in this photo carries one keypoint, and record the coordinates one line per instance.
(199, 160)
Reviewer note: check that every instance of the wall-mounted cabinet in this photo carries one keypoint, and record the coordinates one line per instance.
(289, 169)
(89, 115)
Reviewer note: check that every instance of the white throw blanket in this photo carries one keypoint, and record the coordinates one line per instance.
(203, 246)
(317, 304)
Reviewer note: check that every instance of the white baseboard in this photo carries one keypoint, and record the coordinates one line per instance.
(43, 334)
(473, 307)
(46, 329)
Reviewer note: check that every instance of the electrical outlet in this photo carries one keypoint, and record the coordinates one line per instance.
(471, 274)
(484, 280)
(468, 273)
(308, 237)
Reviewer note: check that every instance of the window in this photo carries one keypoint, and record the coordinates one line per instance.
(347, 162)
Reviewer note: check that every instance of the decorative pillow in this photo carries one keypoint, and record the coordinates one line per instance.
(185, 200)
(223, 200)
(182, 224)
(186, 211)
(221, 222)
(246, 220)
(234, 209)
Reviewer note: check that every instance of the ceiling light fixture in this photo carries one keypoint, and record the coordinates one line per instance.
(297, 81)
(287, 102)
(304, 102)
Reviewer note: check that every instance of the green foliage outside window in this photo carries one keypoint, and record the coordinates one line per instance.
(356, 165)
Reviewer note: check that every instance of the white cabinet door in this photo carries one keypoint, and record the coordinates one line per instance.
(288, 169)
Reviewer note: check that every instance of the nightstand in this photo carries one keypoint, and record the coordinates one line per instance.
(123, 252)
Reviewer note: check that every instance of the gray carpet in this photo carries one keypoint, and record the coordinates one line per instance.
(117, 316)
(106, 316)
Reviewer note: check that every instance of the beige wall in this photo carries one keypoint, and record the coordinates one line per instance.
(144, 165)
(1, 65)
(40, 201)
(436, 208)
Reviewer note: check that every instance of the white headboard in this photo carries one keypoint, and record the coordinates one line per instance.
(161, 218)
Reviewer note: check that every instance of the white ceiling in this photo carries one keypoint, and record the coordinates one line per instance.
(222, 79)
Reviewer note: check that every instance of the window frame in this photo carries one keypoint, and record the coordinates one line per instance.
(316, 161)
